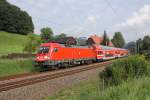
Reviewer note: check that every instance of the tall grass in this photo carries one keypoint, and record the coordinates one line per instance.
(137, 89)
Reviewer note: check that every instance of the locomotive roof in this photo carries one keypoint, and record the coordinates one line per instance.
(110, 48)
(74, 46)
(106, 47)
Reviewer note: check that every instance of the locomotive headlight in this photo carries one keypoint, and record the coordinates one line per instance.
(45, 57)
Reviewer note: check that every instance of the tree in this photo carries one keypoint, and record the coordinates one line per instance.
(146, 43)
(61, 38)
(62, 35)
(143, 46)
(46, 34)
(118, 40)
(14, 20)
(139, 45)
(105, 39)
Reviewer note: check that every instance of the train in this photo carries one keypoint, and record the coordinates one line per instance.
(58, 55)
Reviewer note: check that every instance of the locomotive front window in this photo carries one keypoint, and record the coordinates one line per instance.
(43, 50)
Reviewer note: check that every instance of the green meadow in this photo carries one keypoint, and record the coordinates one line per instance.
(14, 43)
(10, 43)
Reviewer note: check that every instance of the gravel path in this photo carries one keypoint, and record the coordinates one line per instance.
(40, 90)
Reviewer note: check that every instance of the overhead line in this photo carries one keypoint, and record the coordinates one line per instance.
(114, 11)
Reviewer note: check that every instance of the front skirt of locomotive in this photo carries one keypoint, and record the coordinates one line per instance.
(45, 63)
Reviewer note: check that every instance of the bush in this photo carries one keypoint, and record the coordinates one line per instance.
(125, 69)
(32, 44)
(147, 54)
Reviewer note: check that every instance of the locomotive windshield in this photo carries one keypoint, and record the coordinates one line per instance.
(43, 50)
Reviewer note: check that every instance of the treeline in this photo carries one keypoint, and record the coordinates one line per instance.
(47, 35)
(141, 46)
(117, 40)
(14, 20)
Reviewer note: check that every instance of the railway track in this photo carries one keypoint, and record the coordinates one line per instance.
(38, 77)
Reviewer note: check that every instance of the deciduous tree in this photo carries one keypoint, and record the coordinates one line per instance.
(118, 40)
(46, 34)
(146, 43)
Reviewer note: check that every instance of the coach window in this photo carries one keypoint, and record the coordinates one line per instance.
(55, 49)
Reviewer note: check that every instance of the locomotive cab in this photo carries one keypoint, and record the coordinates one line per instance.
(44, 54)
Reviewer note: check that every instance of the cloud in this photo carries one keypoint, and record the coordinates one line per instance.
(92, 19)
(139, 21)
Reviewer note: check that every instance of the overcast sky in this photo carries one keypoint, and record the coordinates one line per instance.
(82, 18)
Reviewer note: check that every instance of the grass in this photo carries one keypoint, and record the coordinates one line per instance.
(17, 66)
(137, 89)
(82, 88)
(12, 43)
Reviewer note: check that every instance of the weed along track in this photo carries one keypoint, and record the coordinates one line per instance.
(24, 80)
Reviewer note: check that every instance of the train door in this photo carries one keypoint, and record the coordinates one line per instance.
(99, 55)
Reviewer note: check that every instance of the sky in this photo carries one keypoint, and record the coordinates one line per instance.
(82, 18)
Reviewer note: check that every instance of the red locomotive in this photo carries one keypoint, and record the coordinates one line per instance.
(54, 54)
